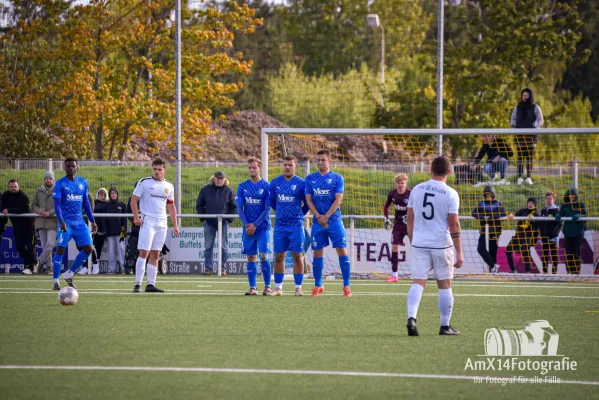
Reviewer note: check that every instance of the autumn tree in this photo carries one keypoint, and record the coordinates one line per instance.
(118, 58)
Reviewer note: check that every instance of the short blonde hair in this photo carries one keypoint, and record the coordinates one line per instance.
(401, 177)
(255, 160)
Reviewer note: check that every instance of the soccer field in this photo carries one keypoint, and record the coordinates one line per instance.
(204, 339)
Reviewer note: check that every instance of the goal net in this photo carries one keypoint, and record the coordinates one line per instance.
(497, 172)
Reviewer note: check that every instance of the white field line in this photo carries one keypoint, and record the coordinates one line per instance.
(353, 283)
(240, 279)
(264, 371)
(290, 294)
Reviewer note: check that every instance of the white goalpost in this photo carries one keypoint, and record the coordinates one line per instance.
(370, 158)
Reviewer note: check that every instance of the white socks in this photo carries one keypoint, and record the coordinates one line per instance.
(445, 305)
(414, 296)
(152, 272)
(279, 285)
(140, 270)
(394, 274)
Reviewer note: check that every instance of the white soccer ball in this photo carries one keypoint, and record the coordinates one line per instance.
(68, 296)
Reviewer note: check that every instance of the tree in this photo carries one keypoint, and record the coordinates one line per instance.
(331, 36)
(109, 48)
(494, 48)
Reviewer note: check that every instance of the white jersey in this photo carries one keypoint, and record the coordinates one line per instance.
(153, 196)
(431, 202)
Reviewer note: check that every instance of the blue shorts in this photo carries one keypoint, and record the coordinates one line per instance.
(259, 243)
(81, 236)
(335, 232)
(289, 239)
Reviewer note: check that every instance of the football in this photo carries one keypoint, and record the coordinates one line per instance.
(68, 296)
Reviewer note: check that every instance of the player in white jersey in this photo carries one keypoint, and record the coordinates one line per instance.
(155, 195)
(434, 232)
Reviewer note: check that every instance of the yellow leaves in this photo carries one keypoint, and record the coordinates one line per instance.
(430, 92)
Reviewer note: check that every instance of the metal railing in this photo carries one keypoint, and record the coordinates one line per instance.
(352, 226)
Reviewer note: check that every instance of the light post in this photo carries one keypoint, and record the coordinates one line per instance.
(373, 21)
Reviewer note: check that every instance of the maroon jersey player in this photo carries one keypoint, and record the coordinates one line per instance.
(398, 197)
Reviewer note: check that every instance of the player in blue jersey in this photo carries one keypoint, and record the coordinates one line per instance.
(287, 198)
(324, 194)
(70, 197)
(253, 205)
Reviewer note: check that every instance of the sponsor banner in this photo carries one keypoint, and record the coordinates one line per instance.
(187, 252)
(10, 261)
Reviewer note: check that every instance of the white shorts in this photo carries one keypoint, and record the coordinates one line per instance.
(440, 261)
(152, 234)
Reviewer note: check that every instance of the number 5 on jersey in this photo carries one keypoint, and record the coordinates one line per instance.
(427, 203)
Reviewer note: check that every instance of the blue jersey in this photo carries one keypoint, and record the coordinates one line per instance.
(253, 201)
(323, 189)
(71, 195)
(287, 198)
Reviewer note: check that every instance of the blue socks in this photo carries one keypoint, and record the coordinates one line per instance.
(79, 260)
(279, 278)
(345, 269)
(298, 278)
(252, 274)
(317, 267)
(266, 271)
(57, 265)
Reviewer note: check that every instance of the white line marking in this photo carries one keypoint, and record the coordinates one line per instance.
(239, 293)
(262, 371)
(506, 285)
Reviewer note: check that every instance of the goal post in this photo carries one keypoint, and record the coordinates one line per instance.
(556, 160)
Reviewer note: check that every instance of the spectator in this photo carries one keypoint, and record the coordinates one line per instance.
(3, 220)
(16, 201)
(115, 231)
(215, 198)
(100, 236)
(497, 151)
(573, 230)
(489, 211)
(549, 231)
(526, 234)
(526, 114)
(46, 224)
(131, 253)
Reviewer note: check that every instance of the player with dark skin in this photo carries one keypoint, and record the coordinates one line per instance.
(70, 168)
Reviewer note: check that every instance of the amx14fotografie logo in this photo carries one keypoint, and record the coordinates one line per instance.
(533, 348)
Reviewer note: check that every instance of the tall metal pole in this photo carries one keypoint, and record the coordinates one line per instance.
(382, 54)
(440, 40)
(178, 192)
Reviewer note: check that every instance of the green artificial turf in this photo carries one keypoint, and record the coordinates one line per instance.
(209, 323)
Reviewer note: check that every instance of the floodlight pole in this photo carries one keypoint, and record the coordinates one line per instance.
(440, 40)
(178, 193)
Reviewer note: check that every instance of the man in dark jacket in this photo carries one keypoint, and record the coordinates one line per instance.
(3, 220)
(489, 211)
(215, 198)
(526, 235)
(573, 230)
(549, 231)
(16, 201)
(115, 231)
(526, 115)
(497, 151)
(100, 236)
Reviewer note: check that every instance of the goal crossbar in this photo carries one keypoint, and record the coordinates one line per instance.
(432, 131)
